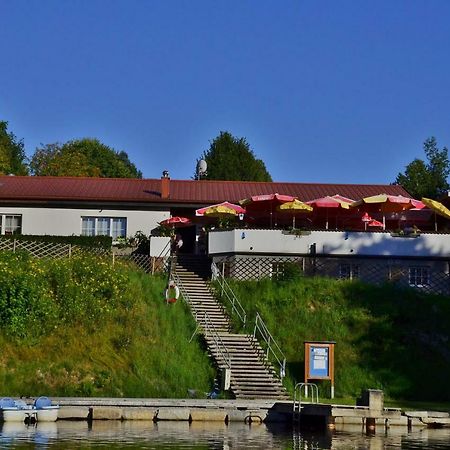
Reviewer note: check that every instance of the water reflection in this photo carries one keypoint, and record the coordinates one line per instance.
(210, 435)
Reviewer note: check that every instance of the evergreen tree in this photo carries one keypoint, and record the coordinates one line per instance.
(231, 158)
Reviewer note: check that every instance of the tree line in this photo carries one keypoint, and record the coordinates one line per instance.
(228, 158)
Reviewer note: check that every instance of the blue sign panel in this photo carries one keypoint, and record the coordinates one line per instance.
(319, 362)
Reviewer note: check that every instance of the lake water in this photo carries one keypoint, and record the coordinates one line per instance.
(199, 435)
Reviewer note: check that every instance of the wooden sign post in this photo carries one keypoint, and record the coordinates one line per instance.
(319, 361)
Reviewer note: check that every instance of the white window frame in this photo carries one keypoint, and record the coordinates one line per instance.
(3, 218)
(110, 227)
(419, 276)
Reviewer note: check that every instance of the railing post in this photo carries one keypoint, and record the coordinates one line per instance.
(70, 250)
(14, 246)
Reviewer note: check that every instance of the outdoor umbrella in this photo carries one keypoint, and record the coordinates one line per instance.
(175, 221)
(386, 203)
(438, 208)
(327, 202)
(224, 208)
(374, 223)
(293, 207)
(266, 203)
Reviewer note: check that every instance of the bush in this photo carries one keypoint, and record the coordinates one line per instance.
(38, 295)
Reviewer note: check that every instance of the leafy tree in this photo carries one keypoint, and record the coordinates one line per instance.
(12, 153)
(82, 158)
(430, 178)
(230, 158)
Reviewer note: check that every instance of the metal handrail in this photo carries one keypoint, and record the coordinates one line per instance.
(228, 293)
(272, 346)
(184, 293)
(208, 325)
(297, 404)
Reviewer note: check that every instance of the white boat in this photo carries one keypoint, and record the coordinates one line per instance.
(14, 411)
(45, 411)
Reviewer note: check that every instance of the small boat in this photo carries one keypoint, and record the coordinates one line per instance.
(45, 411)
(15, 411)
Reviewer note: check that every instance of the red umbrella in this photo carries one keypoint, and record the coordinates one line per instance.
(386, 204)
(366, 219)
(175, 221)
(336, 201)
(265, 203)
(375, 223)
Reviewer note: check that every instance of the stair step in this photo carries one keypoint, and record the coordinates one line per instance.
(251, 375)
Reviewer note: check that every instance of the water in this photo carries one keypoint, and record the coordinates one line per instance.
(199, 435)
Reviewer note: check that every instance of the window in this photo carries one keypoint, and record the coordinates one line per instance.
(348, 271)
(419, 276)
(115, 227)
(10, 224)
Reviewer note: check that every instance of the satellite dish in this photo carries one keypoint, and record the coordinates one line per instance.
(201, 168)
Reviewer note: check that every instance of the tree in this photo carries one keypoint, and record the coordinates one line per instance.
(230, 158)
(427, 179)
(82, 158)
(12, 153)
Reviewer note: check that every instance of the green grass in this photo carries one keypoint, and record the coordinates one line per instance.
(82, 327)
(386, 338)
(139, 347)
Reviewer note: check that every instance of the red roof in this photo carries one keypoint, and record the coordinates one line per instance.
(201, 192)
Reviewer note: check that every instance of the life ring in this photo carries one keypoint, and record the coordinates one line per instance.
(172, 297)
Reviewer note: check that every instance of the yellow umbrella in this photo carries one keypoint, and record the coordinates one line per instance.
(220, 211)
(438, 208)
(293, 207)
(386, 204)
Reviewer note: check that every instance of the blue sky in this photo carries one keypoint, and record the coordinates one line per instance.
(324, 91)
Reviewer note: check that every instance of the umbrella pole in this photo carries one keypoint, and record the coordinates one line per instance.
(435, 221)
(293, 222)
(384, 222)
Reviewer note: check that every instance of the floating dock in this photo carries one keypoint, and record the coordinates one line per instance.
(372, 416)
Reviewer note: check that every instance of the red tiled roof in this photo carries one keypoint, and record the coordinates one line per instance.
(203, 192)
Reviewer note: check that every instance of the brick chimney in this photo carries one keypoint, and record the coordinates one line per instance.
(165, 184)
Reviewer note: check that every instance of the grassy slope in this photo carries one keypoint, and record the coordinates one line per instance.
(143, 352)
(395, 340)
(386, 338)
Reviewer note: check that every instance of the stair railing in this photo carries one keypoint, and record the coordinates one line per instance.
(207, 325)
(228, 293)
(210, 330)
(184, 293)
(166, 255)
(272, 348)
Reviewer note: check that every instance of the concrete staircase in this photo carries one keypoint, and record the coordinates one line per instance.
(252, 376)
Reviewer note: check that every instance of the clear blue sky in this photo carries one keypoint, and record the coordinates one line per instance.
(324, 91)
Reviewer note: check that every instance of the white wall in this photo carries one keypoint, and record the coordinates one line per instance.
(159, 246)
(328, 243)
(67, 222)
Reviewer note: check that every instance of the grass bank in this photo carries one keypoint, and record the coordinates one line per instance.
(81, 327)
(386, 338)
